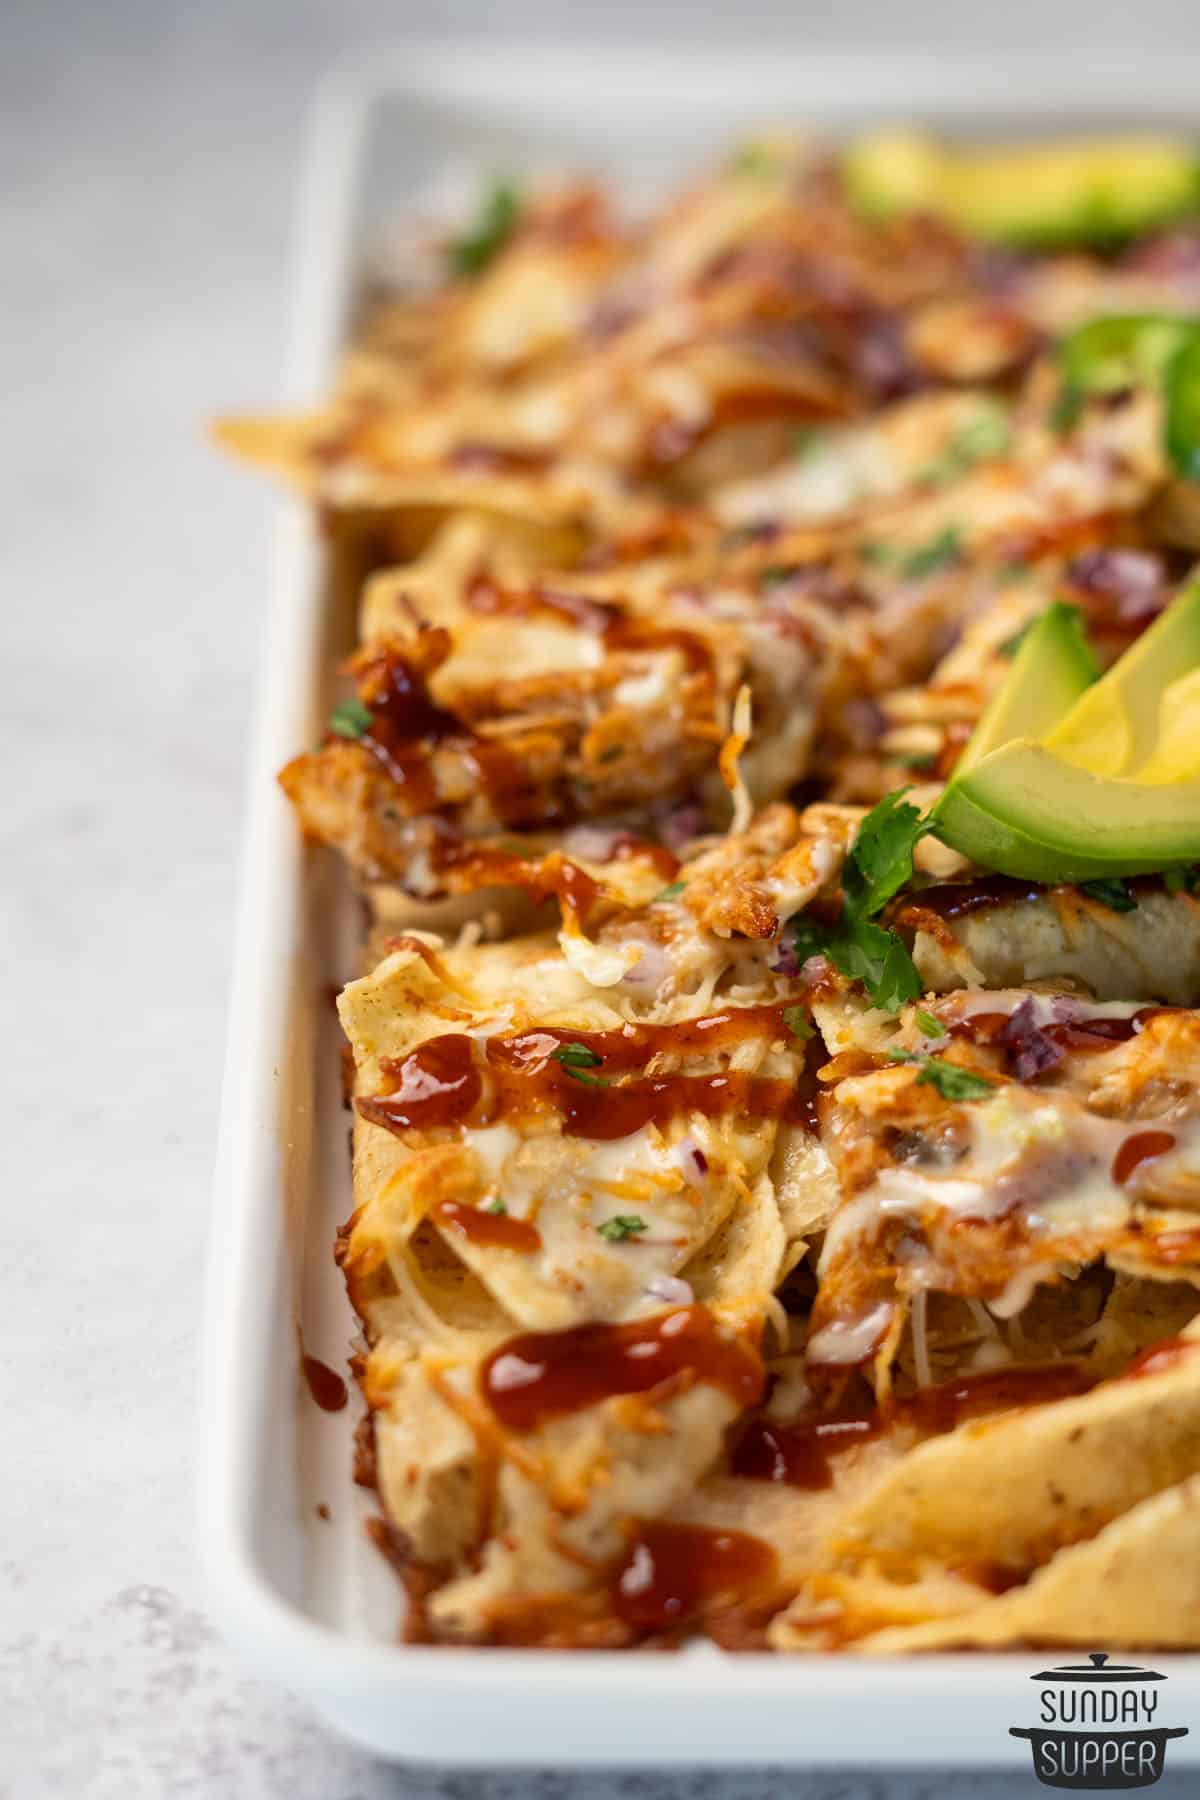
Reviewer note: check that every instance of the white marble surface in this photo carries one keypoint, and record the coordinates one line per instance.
(148, 150)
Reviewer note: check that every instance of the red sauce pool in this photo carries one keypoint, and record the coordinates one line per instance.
(800, 1454)
(324, 1384)
(1138, 1149)
(670, 1572)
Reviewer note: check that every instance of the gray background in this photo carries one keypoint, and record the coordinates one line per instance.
(147, 160)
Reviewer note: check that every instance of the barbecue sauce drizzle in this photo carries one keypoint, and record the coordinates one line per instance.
(803, 1454)
(454, 1079)
(540, 1375)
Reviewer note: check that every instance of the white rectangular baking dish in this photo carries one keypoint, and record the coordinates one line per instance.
(307, 1597)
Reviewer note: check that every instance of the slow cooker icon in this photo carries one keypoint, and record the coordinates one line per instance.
(1098, 1726)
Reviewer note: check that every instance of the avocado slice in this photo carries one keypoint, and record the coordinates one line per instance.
(1026, 812)
(1113, 787)
(1097, 190)
(1117, 726)
(1052, 668)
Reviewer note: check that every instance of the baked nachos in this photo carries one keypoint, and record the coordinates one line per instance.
(771, 767)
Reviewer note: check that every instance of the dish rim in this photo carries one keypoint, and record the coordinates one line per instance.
(237, 1335)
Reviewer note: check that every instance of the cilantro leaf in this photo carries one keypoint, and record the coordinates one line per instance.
(986, 435)
(930, 1026)
(917, 760)
(671, 892)
(797, 1021)
(1110, 891)
(350, 718)
(951, 1082)
(753, 159)
(496, 1206)
(866, 952)
(620, 1226)
(808, 440)
(877, 867)
(1008, 574)
(882, 858)
(493, 225)
(810, 937)
(575, 1060)
(1066, 409)
(938, 553)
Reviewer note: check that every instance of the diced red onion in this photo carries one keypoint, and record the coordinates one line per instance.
(864, 722)
(785, 962)
(815, 969)
(692, 1159)
(651, 969)
(1132, 580)
(1031, 1050)
(681, 825)
(1171, 254)
(881, 360)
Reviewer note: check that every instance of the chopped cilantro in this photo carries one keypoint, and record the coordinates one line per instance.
(877, 867)
(621, 1225)
(493, 225)
(1110, 891)
(929, 1025)
(938, 553)
(776, 574)
(917, 760)
(882, 858)
(877, 552)
(951, 1082)
(1066, 409)
(350, 718)
(809, 937)
(986, 435)
(495, 1206)
(671, 892)
(808, 440)
(1008, 574)
(753, 159)
(867, 953)
(575, 1060)
(797, 1021)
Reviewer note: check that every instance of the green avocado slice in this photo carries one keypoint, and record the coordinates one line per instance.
(1026, 812)
(1052, 668)
(1117, 725)
(1051, 789)
(1068, 192)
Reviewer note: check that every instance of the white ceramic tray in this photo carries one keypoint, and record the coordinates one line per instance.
(309, 1599)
